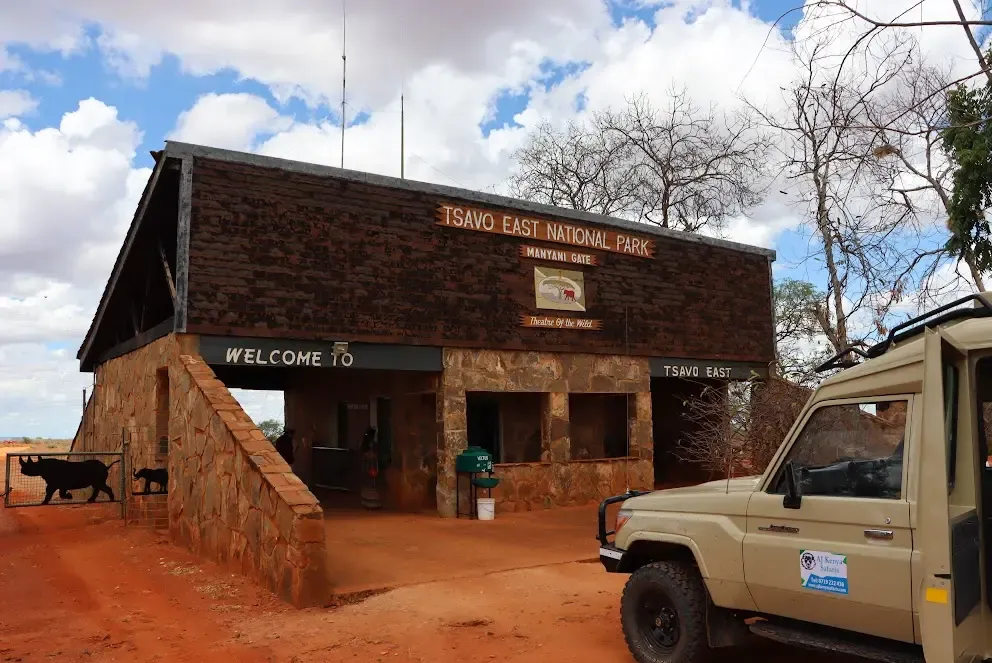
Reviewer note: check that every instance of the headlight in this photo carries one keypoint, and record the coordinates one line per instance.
(622, 517)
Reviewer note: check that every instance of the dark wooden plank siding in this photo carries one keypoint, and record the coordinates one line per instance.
(281, 254)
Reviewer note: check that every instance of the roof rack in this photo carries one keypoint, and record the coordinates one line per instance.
(835, 361)
(912, 327)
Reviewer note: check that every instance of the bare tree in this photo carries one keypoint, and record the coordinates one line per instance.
(774, 407)
(826, 157)
(840, 11)
(578, 167)
(680, 168)
(914, 173)
(719, 418)
(696, 167)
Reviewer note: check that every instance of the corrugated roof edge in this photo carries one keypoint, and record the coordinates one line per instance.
(177, 149)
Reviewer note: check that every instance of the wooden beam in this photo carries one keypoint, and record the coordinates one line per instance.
(134, 320)
(182, 242)
(144, 338)
(144, 299)
(168, 277)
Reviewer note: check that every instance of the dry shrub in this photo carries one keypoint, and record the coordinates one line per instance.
(737, 427)
(775, 406)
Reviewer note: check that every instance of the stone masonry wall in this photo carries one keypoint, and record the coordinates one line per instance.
(123, 407)
(234, 499)
(231, 497)
(555, 481)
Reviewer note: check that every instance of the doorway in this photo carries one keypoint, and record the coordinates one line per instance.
(485, 424)
(670, 428)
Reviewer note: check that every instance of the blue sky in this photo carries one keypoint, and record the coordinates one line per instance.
(467, 106)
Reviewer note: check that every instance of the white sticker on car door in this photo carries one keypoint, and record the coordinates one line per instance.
(823, 571)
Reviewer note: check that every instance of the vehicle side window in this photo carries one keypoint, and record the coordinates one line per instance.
(852, 450)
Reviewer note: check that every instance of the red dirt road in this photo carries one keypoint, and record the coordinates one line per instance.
(76, 586)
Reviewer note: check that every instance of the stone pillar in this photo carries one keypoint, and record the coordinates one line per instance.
(641, 441)
(641, 429)
(557, 444)
(452, 440)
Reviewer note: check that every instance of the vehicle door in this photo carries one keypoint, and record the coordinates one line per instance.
(841, 556)
(947, 514)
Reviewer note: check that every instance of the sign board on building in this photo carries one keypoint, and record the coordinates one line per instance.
(559, 322)
(559, 289)
(702, 369)
(545, 230)
(558, 255)
(278, 353)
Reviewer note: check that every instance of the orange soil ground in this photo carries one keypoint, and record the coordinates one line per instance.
(77, 586)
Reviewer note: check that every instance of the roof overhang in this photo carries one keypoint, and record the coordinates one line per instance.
(162, 161)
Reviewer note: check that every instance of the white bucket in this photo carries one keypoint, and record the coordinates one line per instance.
(485, 507)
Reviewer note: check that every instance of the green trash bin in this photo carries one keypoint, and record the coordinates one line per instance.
(473, 462)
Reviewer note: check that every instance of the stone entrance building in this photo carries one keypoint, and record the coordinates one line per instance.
(564, 342)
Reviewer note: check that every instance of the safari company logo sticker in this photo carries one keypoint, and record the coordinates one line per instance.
(559, 289)
(823, 571)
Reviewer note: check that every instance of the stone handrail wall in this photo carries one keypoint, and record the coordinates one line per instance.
(233, 498)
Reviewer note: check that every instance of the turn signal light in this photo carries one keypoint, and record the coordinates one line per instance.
(622, 518)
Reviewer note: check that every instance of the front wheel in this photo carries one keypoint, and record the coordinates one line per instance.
(663, 613)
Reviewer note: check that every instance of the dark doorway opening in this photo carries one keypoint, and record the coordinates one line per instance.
(669, 398)
(598, 425)
(162, 415)
(384, 429)
(983, 390)
(484, 423)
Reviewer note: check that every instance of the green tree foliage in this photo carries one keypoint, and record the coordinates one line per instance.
(800, 341)
(271, 428)
(968, 143)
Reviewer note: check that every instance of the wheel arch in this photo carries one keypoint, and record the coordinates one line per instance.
(647, 547)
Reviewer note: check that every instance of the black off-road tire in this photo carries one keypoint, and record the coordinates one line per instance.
(680, 584)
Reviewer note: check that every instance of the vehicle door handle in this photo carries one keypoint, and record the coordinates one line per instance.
(883, 534)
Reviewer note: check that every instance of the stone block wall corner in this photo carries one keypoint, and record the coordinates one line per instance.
(235, 500)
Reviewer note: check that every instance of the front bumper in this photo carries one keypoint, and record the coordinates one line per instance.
(609, 555)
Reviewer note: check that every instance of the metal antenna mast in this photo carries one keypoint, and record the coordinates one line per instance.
(344, 70)
(402, 139)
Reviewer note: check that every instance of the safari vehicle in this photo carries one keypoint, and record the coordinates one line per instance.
(867, 534)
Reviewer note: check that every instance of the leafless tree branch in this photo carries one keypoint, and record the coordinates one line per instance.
(680, 167)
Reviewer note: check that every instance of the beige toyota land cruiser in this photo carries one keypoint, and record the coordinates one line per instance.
(867, 534)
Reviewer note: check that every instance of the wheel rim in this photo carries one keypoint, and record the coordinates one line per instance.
(659, 622)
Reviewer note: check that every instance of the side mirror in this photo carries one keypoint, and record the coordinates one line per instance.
(793, 498)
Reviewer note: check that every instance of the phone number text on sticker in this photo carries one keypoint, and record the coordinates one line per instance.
(823, 571)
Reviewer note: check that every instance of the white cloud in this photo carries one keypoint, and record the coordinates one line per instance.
(67, 194)
(40, 391)
(230, 121)
(16, 102)
(296, 47)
